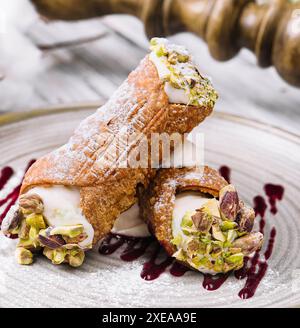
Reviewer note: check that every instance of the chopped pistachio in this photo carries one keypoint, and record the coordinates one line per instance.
(187, 224)
(229, 266)
(216, 253)
(206, 239)
(202, 220)
(177, 240)
(217, 233)
(214, 243)
(217, 243)
(154, 42)
(33, 236)
(33, 233)
(24, 230)
(72, 246)
(52, 242)
(183, 73)
(75, 257)
(187, 220)
(235, 250)
(241, 233)
(236, 259)
(158, 47)
(193, 246)
(226, 254)
(179, 255)
(57, 256)
(198, 262)
(174, 78)
(24, 256)
(245, 217)
(13, 223)
(48, 253)
(228, 225)
(249, 243)
(45, 232)
(31, 203)
(70, 231)
(182, 58)
(202, 248)
(231, 235)
(27, 243)
(227, 244)
(212, 207)
(15, 231)
(218, 268)
(205, 262)
(190, 231)
(75, 240)
(229, 203)
(36, 220)
(209, 248)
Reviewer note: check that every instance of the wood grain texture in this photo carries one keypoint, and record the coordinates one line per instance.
(270, 30)
(92, 71)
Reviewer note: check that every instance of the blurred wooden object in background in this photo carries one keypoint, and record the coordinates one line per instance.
(271, 30)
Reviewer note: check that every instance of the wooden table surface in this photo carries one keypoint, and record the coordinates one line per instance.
(91, 71)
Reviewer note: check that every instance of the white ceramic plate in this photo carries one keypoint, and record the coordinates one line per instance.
(257, 154)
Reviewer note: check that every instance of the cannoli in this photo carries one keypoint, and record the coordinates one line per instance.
(71, 197)
(199, 220)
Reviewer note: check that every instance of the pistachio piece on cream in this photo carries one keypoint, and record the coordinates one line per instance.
(229, 203)
(69, 231)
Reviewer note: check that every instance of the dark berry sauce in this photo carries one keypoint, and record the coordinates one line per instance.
(225, 172)
(155, 267)
(10, 200)
(213, 282)
(178, 270)
(135, 246)
(254, 268)
(274, 193)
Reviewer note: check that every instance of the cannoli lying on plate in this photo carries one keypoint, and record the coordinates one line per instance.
(71, 197)
(199, 219)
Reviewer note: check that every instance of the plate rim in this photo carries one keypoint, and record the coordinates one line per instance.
(9, 118)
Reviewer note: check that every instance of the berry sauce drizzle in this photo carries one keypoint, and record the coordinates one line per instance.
(213, 282)
(254, 274)
(151, 269)
(136, 247)
(260, 206)
(225, 171)
(5, 175)
(274, 193)
(178, 270)
(254, 268)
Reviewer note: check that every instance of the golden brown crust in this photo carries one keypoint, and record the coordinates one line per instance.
(157, 201)
(141, 106)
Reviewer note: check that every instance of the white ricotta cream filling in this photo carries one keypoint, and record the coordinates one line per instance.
(187, 201)
(176, 96)
(130, 224)
(62, 208)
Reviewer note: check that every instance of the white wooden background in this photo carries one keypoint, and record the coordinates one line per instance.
(92, 71)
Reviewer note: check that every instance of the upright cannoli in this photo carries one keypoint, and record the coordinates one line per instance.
(199, 219)
(71, 197)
